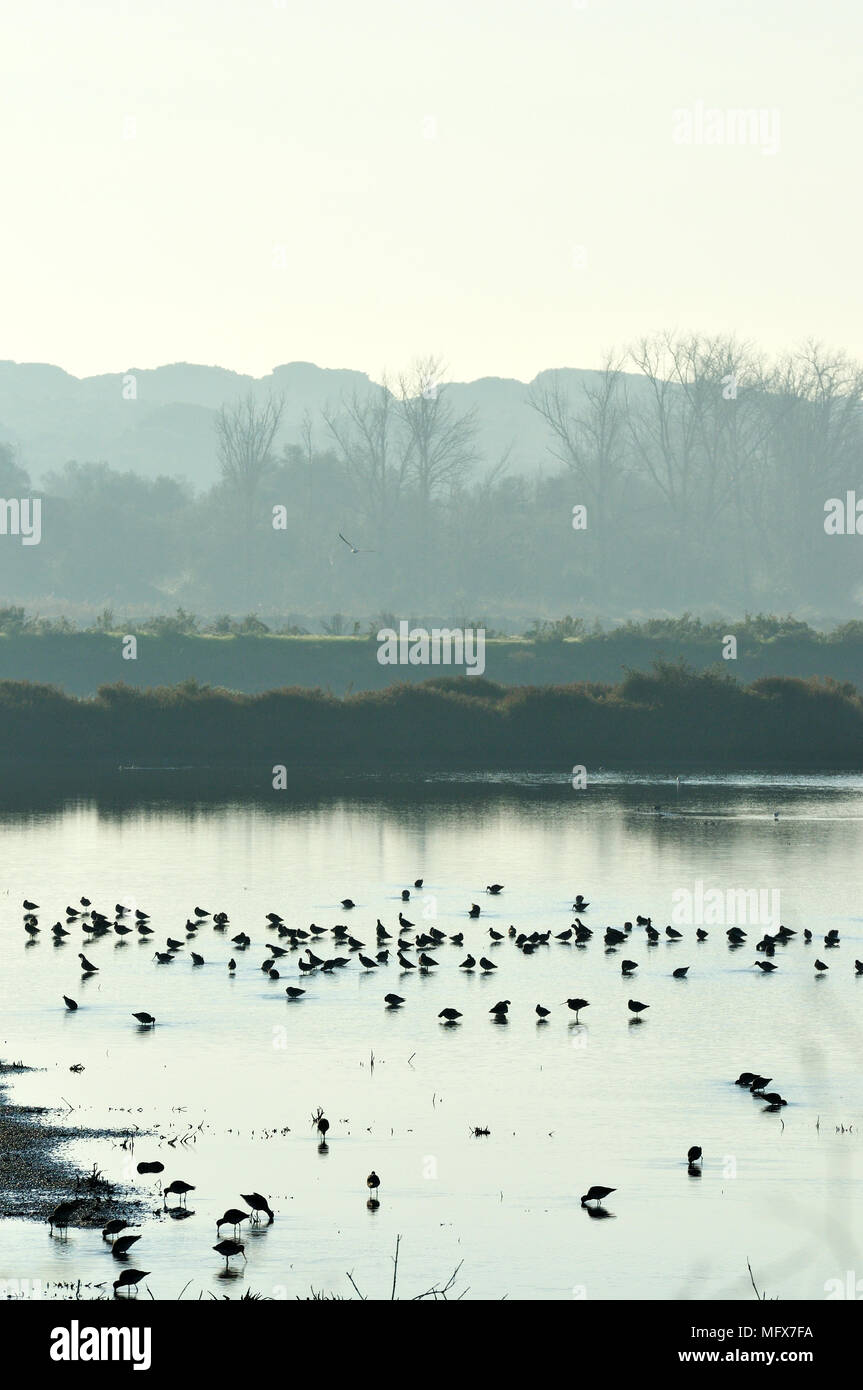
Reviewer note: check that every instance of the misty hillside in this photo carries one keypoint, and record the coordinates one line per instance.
(705, 476)
(51, 417)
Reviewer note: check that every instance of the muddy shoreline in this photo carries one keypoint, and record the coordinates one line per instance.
(35, 1175)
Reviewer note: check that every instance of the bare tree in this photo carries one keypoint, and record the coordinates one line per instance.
(443, 443)
(814, 406)
(590, 439)
(245, 432)
(681, 434)
(375, 449)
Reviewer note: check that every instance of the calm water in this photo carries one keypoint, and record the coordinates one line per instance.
(567, 1106)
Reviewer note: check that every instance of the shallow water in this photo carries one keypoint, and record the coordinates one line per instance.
(236, 1066)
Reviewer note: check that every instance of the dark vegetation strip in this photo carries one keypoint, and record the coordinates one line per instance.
(670, 715)
(245, 656)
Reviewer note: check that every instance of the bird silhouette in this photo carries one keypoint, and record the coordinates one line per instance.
(597, 1194)
(259, 1204)
(178, 1188)
(61, 1213)
(130, 1279)
(356, 550)
(576, 1005)
(122, 1245)
(229, 1248)
(232, 1217)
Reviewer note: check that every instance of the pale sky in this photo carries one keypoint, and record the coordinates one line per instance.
(427, 172)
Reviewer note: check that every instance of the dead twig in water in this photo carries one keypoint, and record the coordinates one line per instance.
(435, 1292)
(395, 1267)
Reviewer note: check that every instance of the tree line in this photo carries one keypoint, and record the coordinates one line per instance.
(703, 469)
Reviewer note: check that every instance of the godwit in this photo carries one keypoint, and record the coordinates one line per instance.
(258, 1204)
(597, 1194)
(179, 1189)
(576, 1005)
(232, 1217)
(130, 1279)
(230, 1248)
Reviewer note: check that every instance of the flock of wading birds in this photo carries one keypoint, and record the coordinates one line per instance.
(96, 924)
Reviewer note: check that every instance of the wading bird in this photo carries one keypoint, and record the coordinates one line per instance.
(230, 1248)
(114, 1228)
(597, 1194)
(576, 1005)
(258, 1204)
(60, 1215)
(232, 1217)
(130, 1279)
(179, 1189)
(122, 1245)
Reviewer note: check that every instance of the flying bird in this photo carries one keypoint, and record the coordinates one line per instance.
(355, 549)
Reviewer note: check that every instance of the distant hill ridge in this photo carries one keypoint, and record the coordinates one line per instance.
(51, 416)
